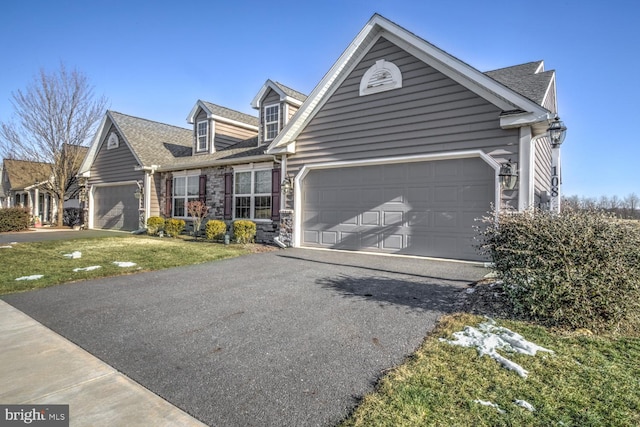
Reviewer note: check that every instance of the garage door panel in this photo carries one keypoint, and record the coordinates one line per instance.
(115, 207)
(421, 208)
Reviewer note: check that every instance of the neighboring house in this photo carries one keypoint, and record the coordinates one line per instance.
(397, 149)
(22, 185)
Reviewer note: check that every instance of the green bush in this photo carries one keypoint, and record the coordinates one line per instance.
(14, 219)
(576, 269)
(215, 229)
(244, 231)
(173, 227)
(154, 225)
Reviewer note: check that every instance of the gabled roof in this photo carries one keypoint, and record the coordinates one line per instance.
(287, 94)
(24, 173)
(223, 114)
(529, 80)
(164, 146)
(152, 143)
(488, 88)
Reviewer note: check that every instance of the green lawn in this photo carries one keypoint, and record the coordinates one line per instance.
(148, 253)
(588, 381)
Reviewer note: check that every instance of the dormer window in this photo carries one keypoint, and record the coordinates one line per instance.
(271, 121)
(202, 137)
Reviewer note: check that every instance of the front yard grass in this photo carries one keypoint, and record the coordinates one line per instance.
(588, 381)
(148, 253)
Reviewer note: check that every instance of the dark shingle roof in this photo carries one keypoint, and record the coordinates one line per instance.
(524, 80)
(170, 147)
(154, 143)
(231, 114)
(23, 173)
(292, 92)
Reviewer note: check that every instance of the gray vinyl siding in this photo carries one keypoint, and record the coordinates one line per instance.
(550, 102)
(431, 113)
(542, 173)
(154, 205)
(115, 165)
(292, 111)
(227, 134)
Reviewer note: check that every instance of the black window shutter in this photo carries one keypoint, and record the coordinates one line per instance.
(202, 196)
(168, 197)
(275, 194)
(228, 195)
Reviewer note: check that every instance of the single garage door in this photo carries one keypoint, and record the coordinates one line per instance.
(418, 208)
(115, 207)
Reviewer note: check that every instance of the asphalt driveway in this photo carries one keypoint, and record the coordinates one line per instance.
(286, 338)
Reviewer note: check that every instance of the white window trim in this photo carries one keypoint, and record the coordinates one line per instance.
(186, 175)
(252, 196)
(276, 122)
(206, 137)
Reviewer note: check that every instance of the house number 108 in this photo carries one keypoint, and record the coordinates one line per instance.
(555, 180)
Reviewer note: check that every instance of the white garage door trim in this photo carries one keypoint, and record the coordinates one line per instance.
(297, 232)
(92, 205)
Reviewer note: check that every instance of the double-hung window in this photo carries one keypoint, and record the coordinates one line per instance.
(202, 137)
(271, 121)
(252, 194)
(185, 190)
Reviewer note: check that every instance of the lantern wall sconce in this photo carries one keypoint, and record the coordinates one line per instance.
(287, 184)
(509, 175)
(557, 132)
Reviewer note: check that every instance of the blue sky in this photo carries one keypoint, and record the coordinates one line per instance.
(155, 59)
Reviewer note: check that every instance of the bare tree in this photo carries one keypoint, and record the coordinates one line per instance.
(631, 203)
(56, 115)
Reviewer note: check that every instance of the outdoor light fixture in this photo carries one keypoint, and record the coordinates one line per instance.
(137, 193)
(287, 185)
(557, 131)
(508, 175)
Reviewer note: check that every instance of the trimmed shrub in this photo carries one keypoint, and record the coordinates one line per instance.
(576, 269)
(215, 229)
(244, 231)
(154, 225)
(14, 219)
(173, 227)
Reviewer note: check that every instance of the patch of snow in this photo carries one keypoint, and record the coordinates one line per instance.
(90, 268)
(124, 263)
(487, 403)
(469, 290)
(13, 243)
(526, 405)
(6, 247)
(32, 277)
(73, 255)
(488, 339)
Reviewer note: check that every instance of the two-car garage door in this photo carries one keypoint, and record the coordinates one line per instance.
(115, 207)
(426, 208)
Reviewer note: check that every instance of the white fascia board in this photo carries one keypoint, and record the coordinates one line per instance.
(269, 84)
(191, 118)
(294, 127)
(93, 149)
(461, 72)
(232, 122)
(525, 119)
(290, 148)
(551, 89)
(214, 163)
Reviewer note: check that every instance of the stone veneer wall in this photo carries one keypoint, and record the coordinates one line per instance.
(265, 231)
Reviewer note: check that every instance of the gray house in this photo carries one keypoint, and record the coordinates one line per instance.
(398, 149)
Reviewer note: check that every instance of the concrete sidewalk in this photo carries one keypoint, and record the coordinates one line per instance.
(38, 366)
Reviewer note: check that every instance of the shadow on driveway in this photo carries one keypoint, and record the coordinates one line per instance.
(285, 338)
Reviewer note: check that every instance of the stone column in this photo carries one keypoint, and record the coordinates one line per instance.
(286, 227)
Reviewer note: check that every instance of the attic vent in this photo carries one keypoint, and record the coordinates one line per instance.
(381, 76)
(113, 141)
